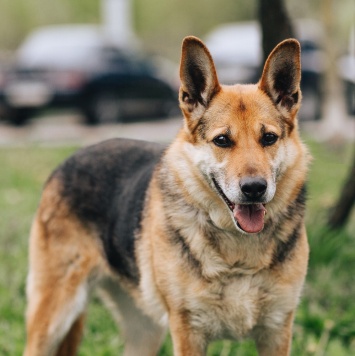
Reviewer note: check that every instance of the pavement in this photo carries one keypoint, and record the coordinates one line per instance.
(68, 129)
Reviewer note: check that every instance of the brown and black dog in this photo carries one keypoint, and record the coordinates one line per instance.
(205, 237)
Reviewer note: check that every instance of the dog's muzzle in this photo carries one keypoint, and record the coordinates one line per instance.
(249, 215)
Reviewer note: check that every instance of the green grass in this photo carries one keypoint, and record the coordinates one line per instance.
(325, 319)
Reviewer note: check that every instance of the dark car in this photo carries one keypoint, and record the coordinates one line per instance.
(74, 66)
(236, 49)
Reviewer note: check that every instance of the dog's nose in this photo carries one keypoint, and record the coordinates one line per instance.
(253, 187)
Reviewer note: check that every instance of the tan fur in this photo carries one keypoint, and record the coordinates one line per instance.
(72, 258)
(200, 274)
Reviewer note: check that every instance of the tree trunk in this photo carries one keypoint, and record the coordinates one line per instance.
(340, 213)
(275, 24)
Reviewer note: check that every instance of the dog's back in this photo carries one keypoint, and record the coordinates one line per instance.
(105, 187)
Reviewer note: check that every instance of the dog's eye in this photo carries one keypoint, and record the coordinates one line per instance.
(269, 139)
(222, 141)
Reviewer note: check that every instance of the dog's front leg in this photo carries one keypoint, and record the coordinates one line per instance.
(186, 340)
(271, 341)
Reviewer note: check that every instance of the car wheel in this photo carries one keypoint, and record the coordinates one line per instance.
(168, 108)
(103, 107)
(18, 116)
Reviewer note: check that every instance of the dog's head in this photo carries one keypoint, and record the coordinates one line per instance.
(242, 138)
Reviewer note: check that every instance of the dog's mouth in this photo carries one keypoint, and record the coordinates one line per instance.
(249, 217)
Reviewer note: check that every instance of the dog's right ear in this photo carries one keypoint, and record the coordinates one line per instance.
(199, 82)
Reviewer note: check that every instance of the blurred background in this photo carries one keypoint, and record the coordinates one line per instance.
(75, 72)
(117, 60)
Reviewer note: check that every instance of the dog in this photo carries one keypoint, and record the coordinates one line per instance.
(205, 237)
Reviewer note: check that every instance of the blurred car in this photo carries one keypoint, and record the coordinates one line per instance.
(74, 66)
(346, 69)
(237, 51)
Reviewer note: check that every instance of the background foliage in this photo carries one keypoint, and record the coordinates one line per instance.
(161, 24)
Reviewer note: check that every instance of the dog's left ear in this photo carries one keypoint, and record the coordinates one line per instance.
(282, 76)
(198, 77)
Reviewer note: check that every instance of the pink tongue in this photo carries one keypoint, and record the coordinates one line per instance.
(250, 217)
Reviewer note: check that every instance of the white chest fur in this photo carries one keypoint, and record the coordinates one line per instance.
(232, 309)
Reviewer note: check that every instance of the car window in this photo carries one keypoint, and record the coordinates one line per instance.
(115, 58)
(64, 47)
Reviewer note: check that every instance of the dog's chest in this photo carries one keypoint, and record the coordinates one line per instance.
(231, 309)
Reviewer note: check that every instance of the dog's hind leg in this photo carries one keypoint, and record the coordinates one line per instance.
(142, 335)
(72, 339)
(64, 260)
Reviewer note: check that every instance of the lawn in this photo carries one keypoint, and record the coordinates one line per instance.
(325, 321)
